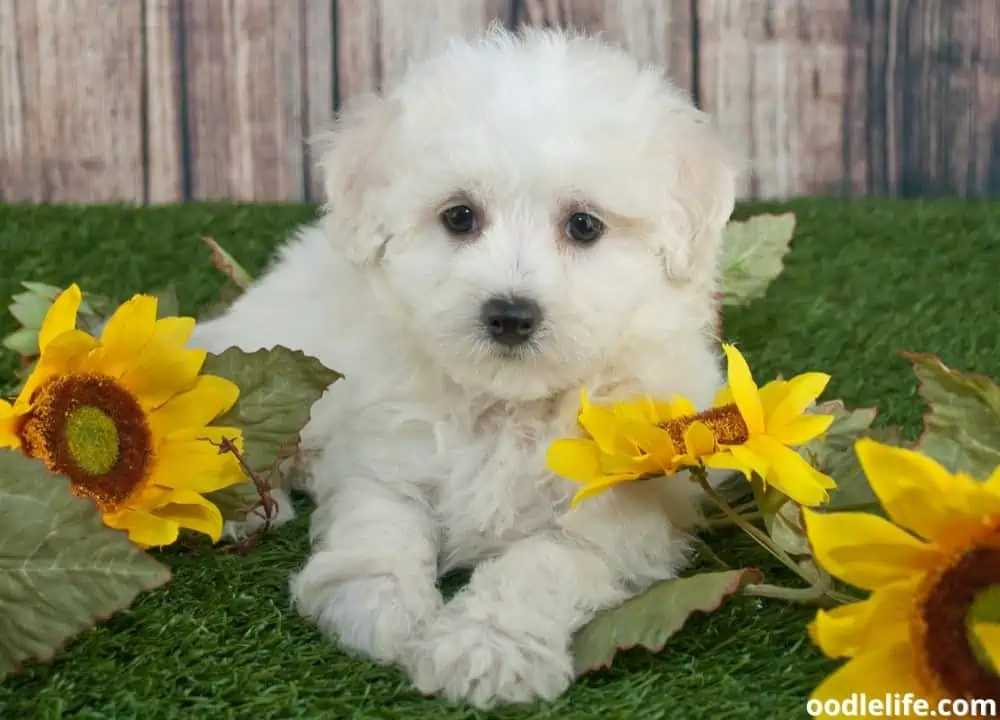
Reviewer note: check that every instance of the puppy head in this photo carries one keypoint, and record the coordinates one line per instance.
(530, 206)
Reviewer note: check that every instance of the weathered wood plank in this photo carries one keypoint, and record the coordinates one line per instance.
(20, 177)
(165, 156)
(376, 39)
(244, 98)
(654, 31)
(775, 77)
(940, 74)
(319, 83)
(72, 90)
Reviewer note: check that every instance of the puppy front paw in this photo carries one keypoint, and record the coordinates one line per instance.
(466, 658)
(256, 519)
(371, 616)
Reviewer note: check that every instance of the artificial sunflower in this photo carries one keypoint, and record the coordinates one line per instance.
(755, 430)
(625, 443)
(931, 625)
(125, 418)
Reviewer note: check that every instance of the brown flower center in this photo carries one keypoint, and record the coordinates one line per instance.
(725, 422)
(949, 654)
(92, 430)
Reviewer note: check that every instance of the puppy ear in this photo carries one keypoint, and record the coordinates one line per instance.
(352, 164)
(706, 179)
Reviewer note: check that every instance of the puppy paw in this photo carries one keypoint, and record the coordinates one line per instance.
(463, 658)
(236, 531)
(371, 616)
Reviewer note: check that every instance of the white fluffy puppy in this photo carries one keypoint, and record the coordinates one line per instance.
(520, 217)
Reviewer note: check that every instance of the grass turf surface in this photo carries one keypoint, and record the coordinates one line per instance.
(864, 280)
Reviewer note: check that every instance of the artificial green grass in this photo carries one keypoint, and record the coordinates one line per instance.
(864, 280)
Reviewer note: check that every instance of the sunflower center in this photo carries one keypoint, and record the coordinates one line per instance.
(725, 422)
(946, 610)
(91, 429)
(92, 439)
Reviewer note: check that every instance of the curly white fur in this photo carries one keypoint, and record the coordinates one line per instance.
(431, 451)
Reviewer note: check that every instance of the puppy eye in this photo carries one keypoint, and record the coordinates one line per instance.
(584, 228)
(460, 220)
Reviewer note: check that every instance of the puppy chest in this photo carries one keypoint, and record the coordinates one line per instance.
(498, 490)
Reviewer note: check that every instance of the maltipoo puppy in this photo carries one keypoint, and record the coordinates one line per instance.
(519, 218)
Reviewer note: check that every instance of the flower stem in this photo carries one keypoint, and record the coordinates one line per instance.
(745, 525)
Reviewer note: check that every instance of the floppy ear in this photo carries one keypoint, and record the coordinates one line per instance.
(706, 176)
(352, 164)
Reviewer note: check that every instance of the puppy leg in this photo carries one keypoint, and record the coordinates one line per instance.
(506, 637)
(371, 580)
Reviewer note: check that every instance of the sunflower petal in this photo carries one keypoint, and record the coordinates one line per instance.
(888, 668)
(680, 406)
(699, 440)
(913, 488)
(725, 460)
(66, 353)
(865, 550)
(845, 631)
(802, 429)
(128, 331)
(187, 461)
(144, 529)
(723, 397)
(192, 511)
(791, 473)
(596, 487)
(772, 394)
(61, 316)
(8, 426)
(799, 393)
(159, 377)
(602, 425)
(208, 399)
(576, 459)
(988, 636)
(655, 442)
(747, 455)
(744, 390)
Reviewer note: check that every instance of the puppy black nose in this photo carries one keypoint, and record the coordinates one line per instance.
(511, 320)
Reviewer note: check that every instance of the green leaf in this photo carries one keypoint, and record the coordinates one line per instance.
(61, 569)
(167, 302)
(649, 620)
(962, 425)
(787, 528)
(24, 342)
(753, 254)
(833, 454)
(277, 390)
(227, 265)
(236, 501)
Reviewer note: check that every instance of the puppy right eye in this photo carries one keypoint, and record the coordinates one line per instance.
(460, 220)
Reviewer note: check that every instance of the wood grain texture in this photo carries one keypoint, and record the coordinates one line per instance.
(243, 65)
(775, 77)
(164, 88)
(377, 39)
(72, 89)
(938, 72)
(319, 81)
(654, 31)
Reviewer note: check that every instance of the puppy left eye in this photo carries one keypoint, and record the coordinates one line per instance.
(584, 229)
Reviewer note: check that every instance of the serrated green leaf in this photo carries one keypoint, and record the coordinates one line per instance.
(649, 620)
(277, 390)
(962, 425)
(42, 289)
(167, 302)
(61, 569)
(29, 309)
(24, 342)
(227, 265)
(833, 454)
(753, 254)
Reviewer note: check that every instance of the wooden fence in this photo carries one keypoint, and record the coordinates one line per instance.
(157, 101)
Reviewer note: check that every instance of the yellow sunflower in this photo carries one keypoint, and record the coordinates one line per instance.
(125, 418)
(761, 426)
(624, 444)
(931, 625)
